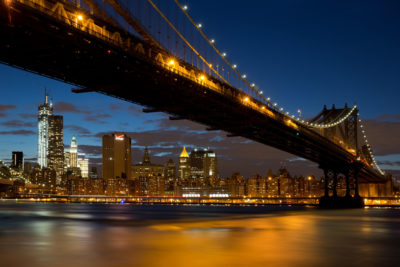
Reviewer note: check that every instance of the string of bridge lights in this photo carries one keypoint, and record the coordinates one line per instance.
(234, 67)
(332, 124)
(267, 100)
(252, 86)
(369, 147)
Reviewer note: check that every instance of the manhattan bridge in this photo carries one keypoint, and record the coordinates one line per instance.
(151, 52)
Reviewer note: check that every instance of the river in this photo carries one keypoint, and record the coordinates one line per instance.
(63, 234)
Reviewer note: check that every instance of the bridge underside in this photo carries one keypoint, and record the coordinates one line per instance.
(40, 44)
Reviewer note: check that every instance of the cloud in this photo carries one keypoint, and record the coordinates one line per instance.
(389, 163)
(91, 150)
(116, 107)
(77, 129)
(65, 107)
(383, 136)
(135, 108)
(17, 132)
(97, 118)
(17, 124)
(388, 117)
(7, 107)
(27, 115)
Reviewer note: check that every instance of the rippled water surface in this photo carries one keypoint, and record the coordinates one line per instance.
(42, 234)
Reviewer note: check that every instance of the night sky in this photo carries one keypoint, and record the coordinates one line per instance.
(303, 54)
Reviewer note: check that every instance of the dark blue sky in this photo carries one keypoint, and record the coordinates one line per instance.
(303, 54)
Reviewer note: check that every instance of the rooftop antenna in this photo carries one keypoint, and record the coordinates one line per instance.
(45, 96)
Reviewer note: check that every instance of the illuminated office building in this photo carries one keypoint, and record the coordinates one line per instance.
(44, 112)
(83, 164)
(116, 156)
(17, 160)
(184, 165)
(55, 157)
(170, 170)
(73, 153)
(203, 165)
(149, 177)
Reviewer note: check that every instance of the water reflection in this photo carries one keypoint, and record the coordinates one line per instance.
(123, 235)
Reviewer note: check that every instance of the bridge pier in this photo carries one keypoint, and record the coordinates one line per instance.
(333, 200)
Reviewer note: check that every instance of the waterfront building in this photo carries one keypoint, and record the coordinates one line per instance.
(170, 171)
(273, 186)
(149, 177)
(236, 185)
(85, 186)
(286, 183)
(17, 160)
(116, 157)
(170, 178)
(45, 177)
(257, 186)
(184, 165)
(55, 157)
(45, 110)
(203, 165)
(116, 187)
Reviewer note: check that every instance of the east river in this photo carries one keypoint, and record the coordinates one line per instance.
(51, 234)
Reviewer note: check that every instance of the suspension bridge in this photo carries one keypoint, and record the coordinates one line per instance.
(153, 53)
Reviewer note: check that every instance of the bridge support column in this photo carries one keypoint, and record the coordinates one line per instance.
(326, 183)
(334, 189)
(356, 170)
(331, 181)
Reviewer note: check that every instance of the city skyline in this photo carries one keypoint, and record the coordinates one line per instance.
(306, 88)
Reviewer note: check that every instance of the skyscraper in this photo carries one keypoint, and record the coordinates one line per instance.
(17, 160)
(73, 153)
(83, 164)
(149, 177)
(184, 165)
(170, 170)
(203, 164)
(45, 110)
(116, 156)
(55, 155)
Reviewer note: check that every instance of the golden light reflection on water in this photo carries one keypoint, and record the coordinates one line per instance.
(243, 242)
(298, 238)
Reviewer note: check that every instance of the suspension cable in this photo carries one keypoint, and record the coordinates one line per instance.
(184, 39)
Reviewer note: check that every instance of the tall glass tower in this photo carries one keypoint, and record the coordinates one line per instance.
(45, 110)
